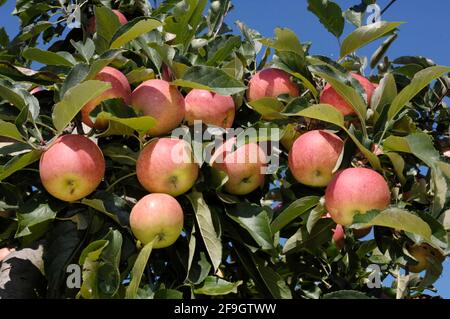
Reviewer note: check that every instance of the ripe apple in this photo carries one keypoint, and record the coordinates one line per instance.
(91, 25)
(72, 167)
(157, 215)
(355, 191)
(421, 253)
(120, 89)
(209, 107)
(270, 83)
(166, 165)
(313, 157)
(339, 236)
(162, 101)
(330, 96)
(244, 166)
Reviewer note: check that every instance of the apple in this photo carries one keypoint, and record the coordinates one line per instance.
(421, 253)
(244, 166)
(339, 236)
(270, 83)
(120, 89)
(91, 25)
(166, 165)
(72, 167)
(313, 157)
(162, 101)
(157, 215)
(330, 96)
(209, 107)
(355, 191)
(4, 252)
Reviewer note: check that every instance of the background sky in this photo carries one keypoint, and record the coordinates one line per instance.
(424, 33)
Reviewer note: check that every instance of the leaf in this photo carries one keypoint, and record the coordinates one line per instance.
(366, 34)
(20, 98)
(132, 30)
(255, 219)
(39, 215)
(399, 165)
(224, 51)
(205, 224)
(385, 93)
(395, 218)
(345, 294)
(140, 75)
(46, 57)
(74, 100)
(168, 294)
(212, 79)
(320, 233)
(106, 24)
(420, 80)
(268, 107)
(215, 286)
(138, 270)
(111, 205)
(10, 130)
(141, 124)
(285, 41)
(274, 282)
(294, 210)
(18, 162)
(329, 14)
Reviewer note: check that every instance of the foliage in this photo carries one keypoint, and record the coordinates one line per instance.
(239, 247)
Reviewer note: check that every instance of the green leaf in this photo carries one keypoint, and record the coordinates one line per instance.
(206, 226)
(329, 14)
(168, 294)
(74, 100)
(33, 30)
(46, 57)
(268, 107)
(110, 204)
(285, 41)
(385, 93)
(274, 282)
(211, 79)
(37, 216)
(10, 130)
(138, 270)
(295, 209)
(106, 24)
(18, 162)
(4, 39)
(345, 294)
(141, 124)
(140, 75)
(395, 218)
(224, 51)
(255, 219)
(321, 232)
(366, 34)
(132, 30)
(421, 80)
(215, 286)
(399, 165)
(20, 98)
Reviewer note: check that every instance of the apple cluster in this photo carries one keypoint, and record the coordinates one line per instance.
(166, 167)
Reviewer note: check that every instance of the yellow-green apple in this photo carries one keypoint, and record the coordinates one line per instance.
(244, 166)
(270, 82)
(313, 157)
(162, 101)
(91, 25)
(422, 253)
(355, 191)
(158, 216)
(209, 107)
(166, 165)
(72, 167)
(330, 96)
(120, 89)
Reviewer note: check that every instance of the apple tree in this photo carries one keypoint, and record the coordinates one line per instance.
(360, 141)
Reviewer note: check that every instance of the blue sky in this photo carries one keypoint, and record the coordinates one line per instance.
(424, 33)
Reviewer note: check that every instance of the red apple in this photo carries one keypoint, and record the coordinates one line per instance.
(339, 236)
(355, 191)
(157, 216)
(209, 107)
(90, 28)
(120, 89)
(244, 166)
(330, 96)
(313, 157)
(162, 101)
(270, 83)
(166, 165)
(72, 167)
